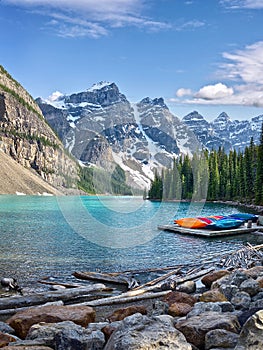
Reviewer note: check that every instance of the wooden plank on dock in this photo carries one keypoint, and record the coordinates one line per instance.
(209, 233)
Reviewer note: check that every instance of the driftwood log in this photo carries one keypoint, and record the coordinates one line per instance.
(65, 285)
(130, 282)
(124, 298)
(244, 257)
(145, 292)
(157, 280)
(50, 296)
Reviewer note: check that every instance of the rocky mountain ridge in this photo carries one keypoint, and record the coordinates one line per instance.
(28, 139)
(101, 127)
(223, 131)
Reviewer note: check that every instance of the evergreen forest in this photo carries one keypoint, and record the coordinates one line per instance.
(97, 181)
(214, 175)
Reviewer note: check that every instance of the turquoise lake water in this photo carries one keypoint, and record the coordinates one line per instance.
(55, 236)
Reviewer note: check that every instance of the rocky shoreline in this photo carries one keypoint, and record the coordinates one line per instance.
(257, 209)
(222, 311)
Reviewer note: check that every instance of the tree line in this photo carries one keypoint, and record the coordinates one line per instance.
(98, 181)
(214, 175)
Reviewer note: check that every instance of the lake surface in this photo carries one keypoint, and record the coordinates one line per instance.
(55, 236)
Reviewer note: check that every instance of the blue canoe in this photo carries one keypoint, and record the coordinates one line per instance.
(225, 224)
(244, 216)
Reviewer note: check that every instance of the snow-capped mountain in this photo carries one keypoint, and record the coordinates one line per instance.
(100, 126)
(223, 131)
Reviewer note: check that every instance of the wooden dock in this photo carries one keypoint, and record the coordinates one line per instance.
(210, 233)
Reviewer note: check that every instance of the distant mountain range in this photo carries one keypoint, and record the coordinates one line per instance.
(223, 131)
(101, 127)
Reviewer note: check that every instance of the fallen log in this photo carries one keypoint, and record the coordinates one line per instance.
(66, 285)
(180, 280)
(194, 276)
(105, 277)
(135, 272)
(65, 295)
(98, 276)
(157, 280)
(122, 299)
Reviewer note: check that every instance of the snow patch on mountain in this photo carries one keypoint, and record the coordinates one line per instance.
(98, 86)
(152, 146)
(137, 178)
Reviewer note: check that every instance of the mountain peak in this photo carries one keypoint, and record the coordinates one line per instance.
(101, 85)
(193, 116)
(223, 117)
(154, 102)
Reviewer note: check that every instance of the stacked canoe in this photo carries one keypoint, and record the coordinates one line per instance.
(216, 222)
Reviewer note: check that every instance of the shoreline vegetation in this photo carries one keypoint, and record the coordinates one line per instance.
(257, 209)
(215, 176)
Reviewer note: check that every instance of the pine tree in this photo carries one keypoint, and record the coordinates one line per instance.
(223, 172)
(187, 178)
(156, 189)
(213, 188)
(234, 179)
(249, 181)
(230, 187)
(241, 177)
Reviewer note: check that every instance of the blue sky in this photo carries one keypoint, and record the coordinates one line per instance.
(204, 55)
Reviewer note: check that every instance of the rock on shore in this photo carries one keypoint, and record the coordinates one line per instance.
(225, 314)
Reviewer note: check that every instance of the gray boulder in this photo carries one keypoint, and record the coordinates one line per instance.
(202, 307)
(66, 335)
(251, 336)
(250, 286)
(241, 300)
(229, 290)
(220, 338)
(258, 304)
(187, 287)
(5, 328)
(195, 328)
(243, 316)
(238, 277)
(226, 306)
(159, 308)
(75, 339)
(258, 296)
(139, 332)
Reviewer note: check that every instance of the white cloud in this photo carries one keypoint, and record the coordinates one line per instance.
(69, 26)
(214, 92)
(244, 98)
(243, 4)
(55, 96)
(183, 92)
(190, 25)
(92, 6)
(243, 70)
(245, 65)
(91, 18)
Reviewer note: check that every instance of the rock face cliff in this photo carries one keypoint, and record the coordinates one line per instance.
(28, 139)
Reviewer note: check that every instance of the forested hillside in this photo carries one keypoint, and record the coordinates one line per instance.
(214, 175)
